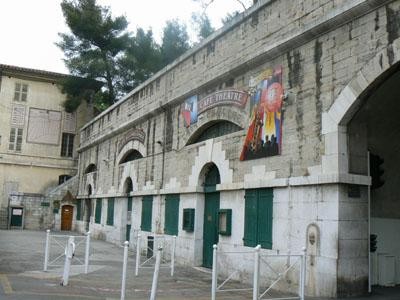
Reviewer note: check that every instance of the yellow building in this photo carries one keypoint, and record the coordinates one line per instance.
(38, 138)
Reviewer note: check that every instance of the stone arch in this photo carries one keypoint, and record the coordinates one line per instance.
(133, 145)
(90, 168)
(205, 174)
(194, 137)
(211, 152)
(127, 186)
(335, 120)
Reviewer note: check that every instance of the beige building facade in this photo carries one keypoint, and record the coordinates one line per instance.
(38, 142)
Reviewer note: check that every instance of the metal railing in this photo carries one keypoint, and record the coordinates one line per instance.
(160, 241)
(55, 250)
(276, 272)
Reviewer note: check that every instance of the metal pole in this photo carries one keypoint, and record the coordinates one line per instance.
(173, 255)
(69, 251)
(369, 227)
(126, 244)
(256, 275)
(155, 276)
(87, 252)
(137, 255)
(303, 273)
(214, 273)
(46, 250)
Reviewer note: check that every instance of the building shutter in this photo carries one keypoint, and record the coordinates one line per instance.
(171, 214)
(264, 220)
(97, 215)
(110, 211)
(78, 209)
(129, 203)
(250, 218)
(147, 207)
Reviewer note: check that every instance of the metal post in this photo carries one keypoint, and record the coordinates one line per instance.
(256, 275)
(214, 273)
(155, 276)
(173, 255)
(303, 273)
(126, 244)
(87, 252)
(137, 255)
(69, 252)
(46, 250)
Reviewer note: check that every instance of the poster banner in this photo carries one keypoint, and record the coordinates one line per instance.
(189, 111)
(264, 135)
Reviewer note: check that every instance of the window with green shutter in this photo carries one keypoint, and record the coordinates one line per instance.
(147, 207)
(129, 203)
(97, 213)
(171, 214)
(258, 218)
(110, 211)
(78, 210)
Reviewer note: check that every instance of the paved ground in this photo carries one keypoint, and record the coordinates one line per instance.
(21, 275)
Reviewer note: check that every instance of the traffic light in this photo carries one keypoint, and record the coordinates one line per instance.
(376, 170)
(372, 242)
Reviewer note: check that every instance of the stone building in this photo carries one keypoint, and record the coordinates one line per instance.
(38, 142)
(265, 133)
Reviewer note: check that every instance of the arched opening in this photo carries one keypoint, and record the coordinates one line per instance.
(127, 189)
(90, 168)
(128, 186)
(373, 146)
(211, 176)
(130, 156)
(88, 207)
(213, 129)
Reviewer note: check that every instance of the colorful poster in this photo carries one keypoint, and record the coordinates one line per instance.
(189, 111)
(264, 135)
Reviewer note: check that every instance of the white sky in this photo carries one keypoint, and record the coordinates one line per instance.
(29, 28)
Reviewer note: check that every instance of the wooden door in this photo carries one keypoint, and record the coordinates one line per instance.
(16, 216)
(210, 228)
(66, 217)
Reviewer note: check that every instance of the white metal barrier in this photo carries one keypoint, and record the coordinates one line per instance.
(276, 272)
(56, 246)
(159, 241)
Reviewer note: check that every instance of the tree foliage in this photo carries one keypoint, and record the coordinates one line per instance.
(175, 41)
(92, 48)
(203, 25)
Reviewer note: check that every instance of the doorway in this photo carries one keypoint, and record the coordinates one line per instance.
(16, 216)
(66, 217)
(211, 209)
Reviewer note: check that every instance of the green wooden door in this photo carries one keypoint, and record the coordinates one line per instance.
(147, 208)
(210, 227)
(128, 232)
(171, 214)
(16, 216)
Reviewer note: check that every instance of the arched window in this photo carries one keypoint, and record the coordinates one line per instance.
(90, 168)
(213, 130)
(130, 155)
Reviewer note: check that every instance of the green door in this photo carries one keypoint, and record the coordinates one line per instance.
(210, 228)
(128, 232)
(16, 216)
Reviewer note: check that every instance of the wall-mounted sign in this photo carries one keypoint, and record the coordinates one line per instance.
(134, 134)
(193, 107)
(264, 135)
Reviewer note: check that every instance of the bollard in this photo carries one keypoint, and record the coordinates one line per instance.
(303, 273)
(173, 255)
(69, 253)
(214, 273)
(126, 244)
(87, 252)
(155, 276)
(46, 250)
(256, 282)
(137, 255)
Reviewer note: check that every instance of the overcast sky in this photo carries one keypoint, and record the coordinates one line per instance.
(29, 28)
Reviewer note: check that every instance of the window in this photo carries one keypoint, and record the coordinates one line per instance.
(21, 92)
(171, 214)
(147, 207)
(258, 218)
(97, 213)
(67, 144)
(110, 211)
(79, 210)
(63, 178)
(15, 139)
(214, 130)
